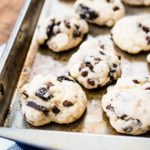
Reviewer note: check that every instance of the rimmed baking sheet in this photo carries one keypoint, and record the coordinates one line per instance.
(42, 60)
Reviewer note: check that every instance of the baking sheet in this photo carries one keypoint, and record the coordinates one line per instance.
(42, 60)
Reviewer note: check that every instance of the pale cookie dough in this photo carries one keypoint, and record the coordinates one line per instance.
(127, 105)
(95, 64)
(137, 2)
(100, 12)
(132, 34)
(52, 99)
(61, 32)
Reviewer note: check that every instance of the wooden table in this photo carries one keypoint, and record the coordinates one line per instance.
(9, 10)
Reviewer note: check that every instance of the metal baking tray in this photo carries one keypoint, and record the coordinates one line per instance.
(23, 59)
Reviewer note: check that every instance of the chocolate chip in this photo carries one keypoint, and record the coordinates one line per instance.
(109, 1)
(84, 73)
(144, 28)
(123, 116)
(67, 103)
(49, 84)
(61, 78)
(67, 24)
(116, 8)
(148, 88)
(101, 52)
(25, 94)
(91, 82)
(86, 13)
(38, 107)
(115, 65)
(148, 40)
(55, 109)
(77, 27)
(128, 129)
(43, 94)
(89, 65)
(136, 81)
(139, 25)
(119, 57)
(102, 46)
(97, 59)
(58, 23)
(109, 107)
(86, 64)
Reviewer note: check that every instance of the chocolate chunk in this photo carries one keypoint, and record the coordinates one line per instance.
(111, 73)
(55, 109)
(116, 8)
(84, 73)
(123, 116)
(67, 24)
(49, 84)
(91, 82)
(128, 129)
(67, 103)
(148, 40)
(76, 34)
(61, 78)
(148, 88)
(49, 30)
(145, 29)
(109, 107)
(86, 12)
(43, 94)
(101, 52)
(136, 81)
(38, 107)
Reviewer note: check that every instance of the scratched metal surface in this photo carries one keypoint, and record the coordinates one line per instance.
(41, 60)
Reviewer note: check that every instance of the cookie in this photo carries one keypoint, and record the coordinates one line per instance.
(137, 2)
(132, 34)
(61, 32)
(100, 12)
(148, 58)
(52, 99)
(127, 105)
(95, 64)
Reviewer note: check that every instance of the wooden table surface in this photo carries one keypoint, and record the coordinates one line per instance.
(9, 10)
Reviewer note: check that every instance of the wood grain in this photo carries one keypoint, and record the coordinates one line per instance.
(9, 10)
